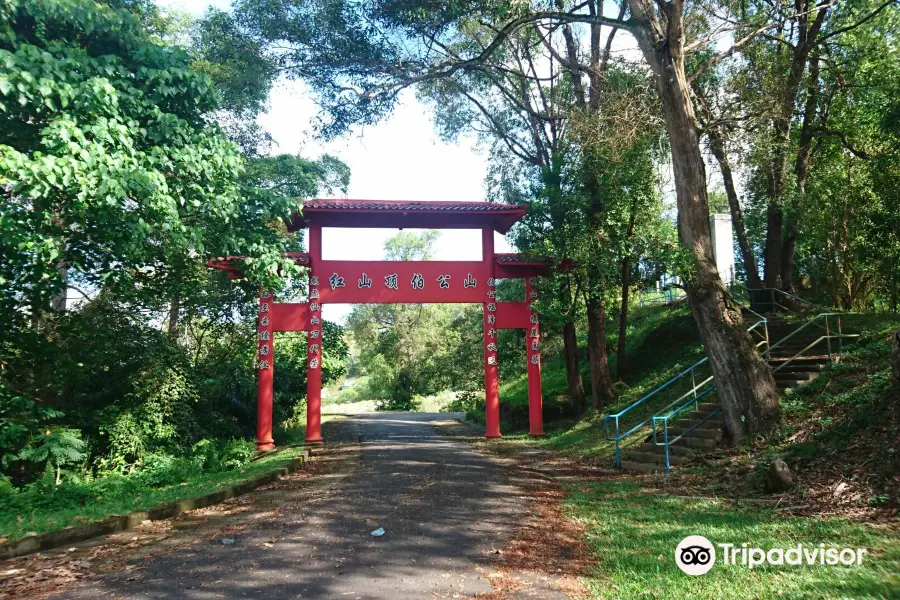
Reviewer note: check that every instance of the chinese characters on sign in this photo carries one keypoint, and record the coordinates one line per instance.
(490, 319)
(535, 345)
(418, 282)
(335, 281)
(315, 323)
(391, 282)
(444, 281)
(264, 332)
(364, 282)
(469, 281)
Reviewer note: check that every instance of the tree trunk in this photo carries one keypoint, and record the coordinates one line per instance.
(174, 314)
(746, 388)
(621, 347)
(573, 369)
(780, 248)
(801, 169)
(788, 255)
(602, 390)
(717, 145)
(774, 244)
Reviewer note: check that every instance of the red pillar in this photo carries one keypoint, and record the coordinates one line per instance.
(265, 373)
(533, 339)
(491, 378)
(314, 343)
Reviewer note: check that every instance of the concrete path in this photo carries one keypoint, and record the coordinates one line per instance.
(447, 511)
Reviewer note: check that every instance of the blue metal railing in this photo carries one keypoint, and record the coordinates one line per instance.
(696, 392)
(664, 419)
(668, 296)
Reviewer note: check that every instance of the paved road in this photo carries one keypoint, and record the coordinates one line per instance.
(446, 509)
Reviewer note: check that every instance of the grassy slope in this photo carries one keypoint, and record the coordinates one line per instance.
(842, 429)
(634, 532)
(663, 341)
(122, 499)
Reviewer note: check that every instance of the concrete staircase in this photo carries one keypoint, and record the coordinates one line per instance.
(650, 458)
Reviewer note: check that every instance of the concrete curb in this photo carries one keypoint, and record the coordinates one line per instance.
(116, 523)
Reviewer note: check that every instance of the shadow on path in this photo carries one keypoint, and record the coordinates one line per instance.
(447, 510)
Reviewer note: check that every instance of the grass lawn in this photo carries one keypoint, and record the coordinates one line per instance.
(103, 497)
(633, 534)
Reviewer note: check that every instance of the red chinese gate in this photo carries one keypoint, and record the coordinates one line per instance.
(399, 282)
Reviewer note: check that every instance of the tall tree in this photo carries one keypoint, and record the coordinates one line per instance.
(387, 47)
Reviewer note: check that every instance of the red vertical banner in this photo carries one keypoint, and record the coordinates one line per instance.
(314, 343)
(491, 376)
(265, 366)
(533, 340)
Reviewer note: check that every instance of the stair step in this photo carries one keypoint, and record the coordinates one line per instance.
(713, 421)
(691, 441)
(708, 407)
(674, 449)
(643, 467)
(655, 457)
(693, 414)
(795, 375)
(799, 361)
(792, 368)
(699, 432)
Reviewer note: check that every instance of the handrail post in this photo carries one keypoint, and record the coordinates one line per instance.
(666, 440)
(694, 383)
(618, 456)
(772, 300)
(766, 329)
(840, 337)
(828, 337)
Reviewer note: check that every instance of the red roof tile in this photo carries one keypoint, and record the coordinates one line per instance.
(412, 214)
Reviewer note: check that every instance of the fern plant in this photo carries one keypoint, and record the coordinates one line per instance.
(57, 446)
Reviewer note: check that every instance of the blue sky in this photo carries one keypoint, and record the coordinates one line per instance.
(400, 158)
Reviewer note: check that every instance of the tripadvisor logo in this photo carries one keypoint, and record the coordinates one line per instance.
(696, 555)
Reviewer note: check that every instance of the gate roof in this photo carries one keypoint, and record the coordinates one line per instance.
(408, 214)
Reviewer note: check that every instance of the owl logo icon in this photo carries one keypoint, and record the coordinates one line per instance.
(695, 555)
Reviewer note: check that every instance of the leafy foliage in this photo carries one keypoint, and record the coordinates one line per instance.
(118, 183)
